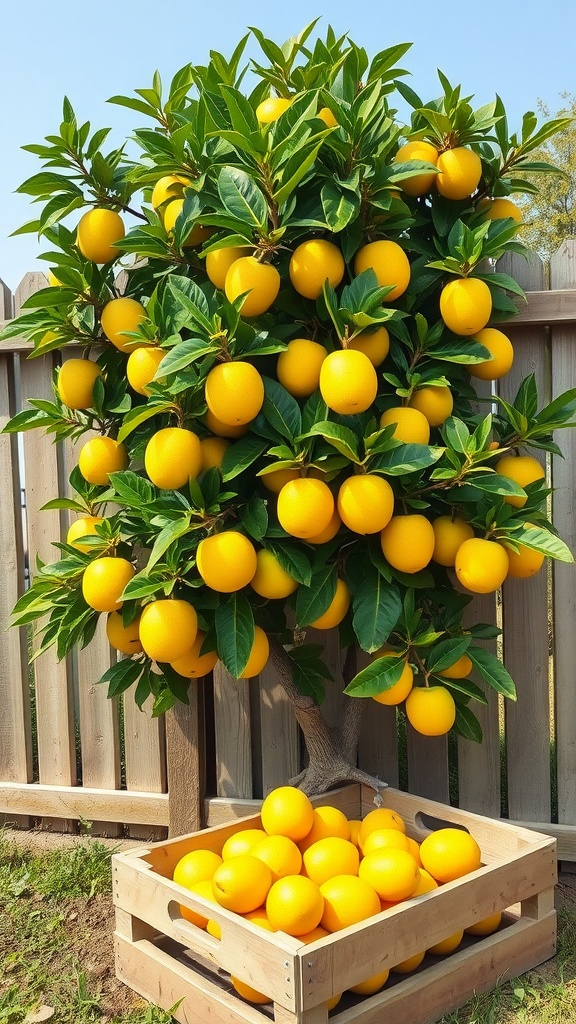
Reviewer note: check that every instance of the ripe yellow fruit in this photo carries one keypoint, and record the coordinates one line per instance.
(226, 561)
(408, 542)
(326, 115)
(328, 822)
(524, 470)
(242, 883)
(502, 353)
(76, 380)
(466, 305)
(287, 811)
(252, 995)
(312, 263)
(260, 280)
(221, 429)
(172, 456)
(365, 503)
(170, 186)
(219, 261)
(270, 579)
(431, 711)
(280, 854)
(234, 392)
(371, 985)
(348, 382)
(393, 873)
(194, 665)
(426, 883)
(420, 184)
(400, 690)
(258, 655)
(354, 826)
(386, 839)
(298, 368)
(486, 926)
(336, 610)
(412, 427)
(390, 264)
(97, 230)
(275, 481)
(142, 365)
(203, 889)
(103, 581)
(347, 900)
(460, 172)
(481, 565)
(271, 109)
(213, 452)
(525, 562)
(329, 857)
(121, 315)
(123, 638)
(374, 343)
(381, 817)
(410, 964)
(305, 507)
(435, 403)
(170, 214)
(196, 866)
(99, 457)
(449, 534)
(168, 629)
(502, 209)
(450, 853)
(329, 532)
(294, 905)
(460, 669)
(53, 280)
(84, 526)
(448, 945)
(242, 842)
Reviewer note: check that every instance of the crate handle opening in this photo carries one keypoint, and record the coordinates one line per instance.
(187, 927)
(430, 823)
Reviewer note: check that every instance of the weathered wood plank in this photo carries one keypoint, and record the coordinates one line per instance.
(279, 733)
(233, 730)
(185, 759)
(545, 307)
(64, 802)
(144, 755)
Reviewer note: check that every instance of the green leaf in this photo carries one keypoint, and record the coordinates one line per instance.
(121, 676)
(377, 608)
(377, 677)
(467, 725)
(139, 414)
(281, 409)
(254, 516)
(166, 538)
(539, 539)
(242, 454)
(405, 458)
(242, 198)
(184, 354)
(234, 623)
(340, 205)
(492, 671)
(446, 653)
(314, 600)
(341, 438)
(293, 561)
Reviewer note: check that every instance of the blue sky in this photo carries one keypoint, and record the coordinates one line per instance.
(90, 52)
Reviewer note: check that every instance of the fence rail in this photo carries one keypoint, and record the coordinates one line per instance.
(68, 754)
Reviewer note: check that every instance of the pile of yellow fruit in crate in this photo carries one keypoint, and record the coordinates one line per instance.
(310, 871)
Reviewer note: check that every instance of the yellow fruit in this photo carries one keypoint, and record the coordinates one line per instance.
(53, 280)
(466, 305)
(99, 457)
(121, 315)
(328, 822)
(169, 187)
(213, 452)
(336, 610)
(412, 427)
(242, 842)
(371, 985)
(271, 109)
(502, 209)
(259, 917)
(410, 964)
(525, 562)
(258, 655)
(203, 889)
(481, 565)
(426, 883)
(326, 115)
(287, 811)
(234, 392)
(399, 691)
(76, 380)
(298, 368)
(329, 532)
(354, 826)
(312, 263)
(85, 526)
(194, 665)
(213, 928)
(460, 172)
(275, 481)
(365, 503)
(449, 853)
(294, 905)
(374, 343)
(502, 355)
(226, 561)
(408, 542)
(347, 900)
(386, 839)
(449, 534)
(196, 866)
(168, 629)
(420, 184)
(329, 857)
(414, 849)
(305, 507)
(221, 429)
(524, 470)
(460, 669)
(431, 711)
(313, 935)
(280, 854)
(260, 280)
(172, 456)
(103, 581)
(447, 945)
(124, 638)
(270, 579)
(436, 403)
(251, 995)
(486, 926)
(141, 367)
(390, 264)
(241, 883)
(333, 1001)
(392, 873)
(97, 230)
(381, 817)
(219, 261)
(169, 216)
(348, 382)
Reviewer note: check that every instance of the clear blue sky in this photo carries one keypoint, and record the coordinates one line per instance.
(89, 52)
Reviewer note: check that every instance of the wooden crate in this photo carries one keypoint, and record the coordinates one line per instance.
(169, 961)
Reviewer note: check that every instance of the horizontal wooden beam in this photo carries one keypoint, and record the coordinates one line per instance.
(551, 308)
(123, 806)
(565, 835)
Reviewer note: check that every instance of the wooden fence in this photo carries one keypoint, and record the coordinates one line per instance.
(68, 754)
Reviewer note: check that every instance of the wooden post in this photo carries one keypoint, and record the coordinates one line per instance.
(185, 759)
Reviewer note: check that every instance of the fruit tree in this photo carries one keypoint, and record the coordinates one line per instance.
(274, 403)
